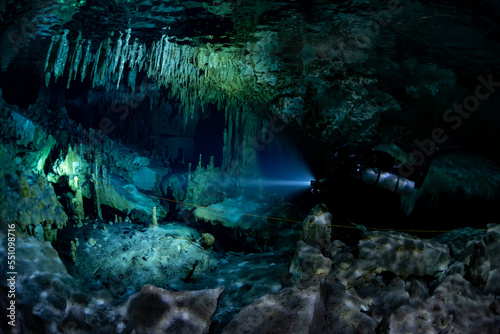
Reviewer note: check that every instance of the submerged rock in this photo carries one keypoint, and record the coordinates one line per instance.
(28, 200)
(293, 310)
(126, 197)
(483, 262)
(48, 299)
(455, 307)
(126, 257)
(156, 310)
(403, 254)
(390, 283)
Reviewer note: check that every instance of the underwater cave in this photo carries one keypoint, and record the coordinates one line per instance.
(239, 166)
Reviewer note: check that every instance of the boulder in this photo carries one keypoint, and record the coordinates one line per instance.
(156, 310)
(294, 310)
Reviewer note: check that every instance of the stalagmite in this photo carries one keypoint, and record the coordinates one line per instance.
(105, 179)
(155, 218)
(96, 181)
(74, 246)
(80, 213)
(199, 164)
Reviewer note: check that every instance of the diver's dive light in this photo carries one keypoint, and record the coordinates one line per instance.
(313, 186)
(318, 186)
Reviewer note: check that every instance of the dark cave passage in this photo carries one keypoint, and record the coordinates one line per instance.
(209, 138)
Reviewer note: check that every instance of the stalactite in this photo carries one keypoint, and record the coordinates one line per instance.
(54, 39)
(123, 57)
(78, 55)
(237, 133)
(48, 62)
(132, 75)
(117, 53)
(140, 56)
(225, 148)
(95, 67)
(227, 154)
(74, 60)
(86, 60)
(132, 54)
(150, 67)
(62, 55)
(158, 55)
(165, 56)
(195, 76)
(107, 60)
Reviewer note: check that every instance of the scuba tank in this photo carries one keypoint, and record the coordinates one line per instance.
(389, 181)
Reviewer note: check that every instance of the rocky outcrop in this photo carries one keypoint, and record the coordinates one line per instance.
(28, 200)
(390, 283)
(49, 299)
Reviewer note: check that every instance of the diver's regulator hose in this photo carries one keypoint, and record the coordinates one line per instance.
(392, 182)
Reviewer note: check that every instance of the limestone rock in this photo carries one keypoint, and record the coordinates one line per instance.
(48, 299)
(71, 165)
(403, 254)
(126, 197)
(28, 200)
(309, 262)
(345, 312)
(207, 240)
(173, 185)
(144, 178)
(483, 261)
(30, 135)
(454, 307)
(156, 310)
(318, 227)
(126, 159)
(294, 310)
(166, 256)
(42, 281)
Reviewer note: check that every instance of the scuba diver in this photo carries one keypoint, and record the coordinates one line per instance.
(376, 168)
